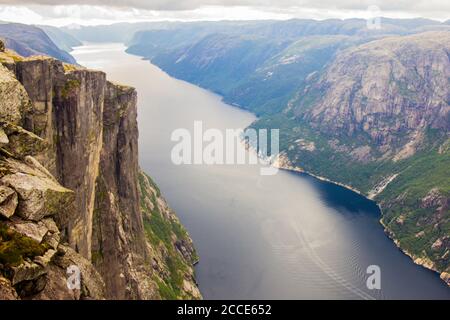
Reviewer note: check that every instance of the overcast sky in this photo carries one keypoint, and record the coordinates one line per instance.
(91, 12)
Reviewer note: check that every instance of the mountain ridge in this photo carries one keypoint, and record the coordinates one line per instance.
(29, 40)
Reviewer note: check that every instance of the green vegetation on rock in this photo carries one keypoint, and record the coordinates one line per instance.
(173, 251)
(14, 247)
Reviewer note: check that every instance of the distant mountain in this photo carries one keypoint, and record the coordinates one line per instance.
(62, 39)
(257, 73)
(410, 23)
(221, 61)
(118, 32)
(148, 38)
(207, 53)
(124, 32)
(29, 40)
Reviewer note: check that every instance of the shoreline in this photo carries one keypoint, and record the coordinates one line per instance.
(424, 263)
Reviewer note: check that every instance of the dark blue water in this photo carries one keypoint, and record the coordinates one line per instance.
(259, 237)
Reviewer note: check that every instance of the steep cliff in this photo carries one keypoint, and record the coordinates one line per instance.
(33, 257)
(82, 133)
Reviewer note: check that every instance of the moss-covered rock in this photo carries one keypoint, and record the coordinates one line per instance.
(22, 143)
(35, 231)
(27, 271)
(15, 248)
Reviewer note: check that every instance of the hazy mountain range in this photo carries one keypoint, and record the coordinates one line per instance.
(29, 40)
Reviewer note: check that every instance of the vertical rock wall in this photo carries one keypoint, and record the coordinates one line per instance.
(84, 131)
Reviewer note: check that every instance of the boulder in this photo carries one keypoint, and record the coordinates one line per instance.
(39, 197)
(56, 286)
(8, 201)
(33, 163)
(26, 271)
(39, 194)
(31, 230)
(53, 236)
(23, 143)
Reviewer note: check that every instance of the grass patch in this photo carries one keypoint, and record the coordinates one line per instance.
(163, 232)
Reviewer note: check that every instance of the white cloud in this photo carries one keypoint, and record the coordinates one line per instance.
(90, 12)
(167, 5)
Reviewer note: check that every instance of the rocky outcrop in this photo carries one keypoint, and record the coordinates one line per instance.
(14, 102)
(68, 126)
(119, 246)
(39, 193)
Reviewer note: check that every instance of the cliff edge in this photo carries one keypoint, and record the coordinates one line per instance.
(72, 193)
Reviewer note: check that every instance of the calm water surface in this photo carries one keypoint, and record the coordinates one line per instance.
(259, 237)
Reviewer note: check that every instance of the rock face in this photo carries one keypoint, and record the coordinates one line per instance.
(384, 88)
(14, 100)
(69, 126)
(119, 245)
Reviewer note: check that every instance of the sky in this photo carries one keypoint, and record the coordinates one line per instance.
(92, 12)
